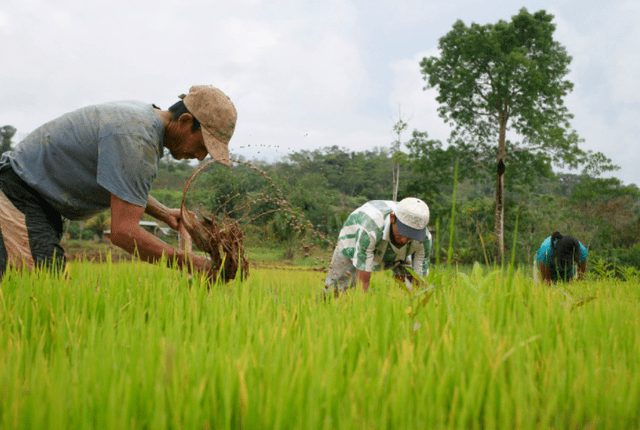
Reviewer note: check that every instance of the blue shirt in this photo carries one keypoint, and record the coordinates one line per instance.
(545, 253)
(77, 161)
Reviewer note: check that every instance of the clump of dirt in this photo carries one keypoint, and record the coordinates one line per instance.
(219, 236)
(222, 239)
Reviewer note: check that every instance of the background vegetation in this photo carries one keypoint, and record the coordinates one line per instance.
(501, 87)
(325, 185)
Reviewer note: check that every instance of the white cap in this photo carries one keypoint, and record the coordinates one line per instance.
(412, 217)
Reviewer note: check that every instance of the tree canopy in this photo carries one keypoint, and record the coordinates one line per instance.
(501, 78)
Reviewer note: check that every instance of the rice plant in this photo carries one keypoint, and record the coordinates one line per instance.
(133, 345)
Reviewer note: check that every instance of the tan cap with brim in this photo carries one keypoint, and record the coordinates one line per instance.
(217, 116)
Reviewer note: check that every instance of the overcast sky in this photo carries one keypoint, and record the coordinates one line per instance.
(302, 74)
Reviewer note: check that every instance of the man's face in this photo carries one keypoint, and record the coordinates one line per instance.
(397, 238)
(189, 144)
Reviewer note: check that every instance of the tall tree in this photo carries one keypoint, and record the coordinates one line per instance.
(6, 134)
(507, 76)
(398, 128)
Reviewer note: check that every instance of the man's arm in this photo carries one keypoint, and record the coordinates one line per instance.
(162, 213)
(545, 272)
(420, 258)
(582, 269)
(127, 234)
(364, 278)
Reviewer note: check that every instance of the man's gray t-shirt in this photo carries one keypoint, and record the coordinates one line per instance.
(79, 159)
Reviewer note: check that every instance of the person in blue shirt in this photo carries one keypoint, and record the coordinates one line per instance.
(557, 256)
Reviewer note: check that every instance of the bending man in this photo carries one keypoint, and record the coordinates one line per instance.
(105, 157)
(381, 235)
(557, 256)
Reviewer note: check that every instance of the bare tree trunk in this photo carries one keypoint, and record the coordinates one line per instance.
(396, 181)
(499, 214)
(398, 128)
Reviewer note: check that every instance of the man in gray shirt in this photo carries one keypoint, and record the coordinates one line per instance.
(105, 157)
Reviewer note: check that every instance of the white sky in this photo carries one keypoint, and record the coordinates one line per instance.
(302, 74)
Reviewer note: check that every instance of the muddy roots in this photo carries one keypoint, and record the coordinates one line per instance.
(219, 236)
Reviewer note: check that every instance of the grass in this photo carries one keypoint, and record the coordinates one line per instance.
(316, 257)
(133, 345)
(274, 253)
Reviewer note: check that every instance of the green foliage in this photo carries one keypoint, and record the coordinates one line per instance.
(289, 226)
(170, 198)
(630, 257)
(453, 216)
(98, 224)
(509, 76)
(432, 168)
(590, 189)
(324, 186)
(72, 229)
(525, 169)
(418, 299)
(489, 74)
(77, 230)
(614, 263)
(367, 175)
(172, 174)
(608, 210)
(6, 134)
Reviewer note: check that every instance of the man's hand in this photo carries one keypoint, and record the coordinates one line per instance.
(545, 273)
(203, 265)
(582, 270)
(364, 278)
(128, 235)
(171, 217)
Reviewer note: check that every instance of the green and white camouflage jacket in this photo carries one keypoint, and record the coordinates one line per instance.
(365, 239)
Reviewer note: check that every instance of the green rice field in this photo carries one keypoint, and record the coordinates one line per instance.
(137, 346)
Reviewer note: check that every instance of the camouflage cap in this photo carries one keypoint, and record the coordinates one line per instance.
(217, 116)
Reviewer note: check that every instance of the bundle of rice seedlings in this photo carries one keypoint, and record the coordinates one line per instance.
(218, 235)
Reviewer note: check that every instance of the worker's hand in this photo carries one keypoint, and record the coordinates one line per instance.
(203, 264)
(173, 218)
(363, 278)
